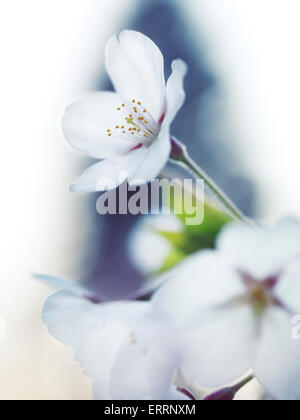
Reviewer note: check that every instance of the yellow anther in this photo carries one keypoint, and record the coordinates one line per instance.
(135, 122)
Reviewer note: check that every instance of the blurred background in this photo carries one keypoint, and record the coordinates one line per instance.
(240, 122)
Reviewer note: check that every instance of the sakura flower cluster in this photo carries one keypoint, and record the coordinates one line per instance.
(219, 315)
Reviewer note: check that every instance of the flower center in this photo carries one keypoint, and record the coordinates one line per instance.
(139, 124)
(259, 299)
(259, 293)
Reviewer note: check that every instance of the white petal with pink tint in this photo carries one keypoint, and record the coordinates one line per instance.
(86, 122)
(277, 361)
(175, 89)
(204, 281)
(136, 68)
(109, 174)
(218, 346)
(261, 252)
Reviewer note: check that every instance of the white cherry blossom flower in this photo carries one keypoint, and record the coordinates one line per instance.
(128, 348)
(236, 305)
(129, 129)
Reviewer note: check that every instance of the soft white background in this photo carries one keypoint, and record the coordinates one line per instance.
(51, 52)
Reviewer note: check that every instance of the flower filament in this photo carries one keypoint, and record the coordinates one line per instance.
(139, 124)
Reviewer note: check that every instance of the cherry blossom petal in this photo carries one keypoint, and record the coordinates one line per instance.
(136, 68)
(99, 351)
(109, 174)
(109, 327)
(218, 347)
(86, 122)
(203, 281)
(287, 289)
(277, 363)
(260, 252)
(155, 160)
(62, 283)
(126, 347)
(175, 90)
(65, 313)
(147, 361)
(89, 329)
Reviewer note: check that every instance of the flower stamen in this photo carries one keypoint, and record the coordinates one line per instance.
(135, 118)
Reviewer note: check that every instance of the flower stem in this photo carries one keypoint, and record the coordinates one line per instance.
(180, 156)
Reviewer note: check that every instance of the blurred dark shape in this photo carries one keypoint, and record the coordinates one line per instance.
(107, 267)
